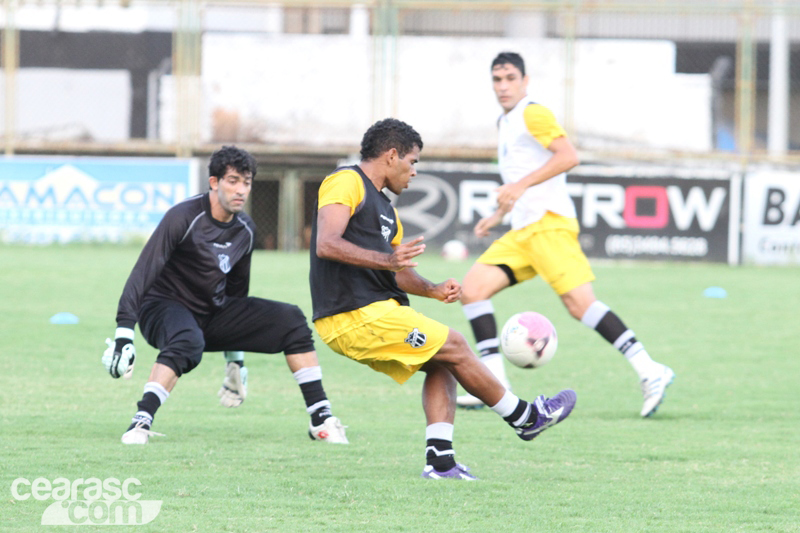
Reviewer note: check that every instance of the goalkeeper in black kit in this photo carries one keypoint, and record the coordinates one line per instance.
(189, 294)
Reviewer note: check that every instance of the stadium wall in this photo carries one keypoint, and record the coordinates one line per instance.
(316, 90)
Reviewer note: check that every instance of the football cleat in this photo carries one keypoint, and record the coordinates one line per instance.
(457, 472)
(654, 388)
(139, 434)
(234, 386)
(331, 430)
(549, 413)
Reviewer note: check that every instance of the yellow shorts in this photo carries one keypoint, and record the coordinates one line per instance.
(549, 248)
(389, 337)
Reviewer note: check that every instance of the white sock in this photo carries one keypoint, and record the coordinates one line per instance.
(439, 430)
(626, 341)
(636, 355)
(641, 363)
(157, 389)
(506, 405)
(308, 374)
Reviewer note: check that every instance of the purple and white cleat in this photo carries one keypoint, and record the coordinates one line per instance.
(457, 472)
(550, 412)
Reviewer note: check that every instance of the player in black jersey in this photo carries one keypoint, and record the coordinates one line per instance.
(360, 275)
(189, 294)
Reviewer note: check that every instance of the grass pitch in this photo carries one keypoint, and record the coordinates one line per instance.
(720, 455)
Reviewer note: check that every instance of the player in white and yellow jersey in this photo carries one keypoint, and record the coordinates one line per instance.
(534, 155)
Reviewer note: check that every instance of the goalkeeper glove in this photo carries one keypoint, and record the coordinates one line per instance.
(120, 354)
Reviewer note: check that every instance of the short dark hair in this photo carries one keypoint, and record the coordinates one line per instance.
(231, 156)
(510, 57)
(387, 134)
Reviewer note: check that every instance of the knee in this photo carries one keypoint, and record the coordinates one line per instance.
(183, 352)
(298, 339)
(474, 289)
(470, 293)
(578, 300)
(456, 349)
(191, 341)
(295, 314)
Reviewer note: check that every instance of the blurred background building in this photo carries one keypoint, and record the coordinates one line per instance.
(667, 82)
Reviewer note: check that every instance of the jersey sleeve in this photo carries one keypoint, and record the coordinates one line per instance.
(148, 267)
(542, 124)
(344, 187)
(399, 237)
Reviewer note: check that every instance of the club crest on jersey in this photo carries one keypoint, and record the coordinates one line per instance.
(416, 338)
(386, 232)
(224, 263)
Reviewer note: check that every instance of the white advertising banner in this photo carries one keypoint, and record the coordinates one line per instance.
(45, 200)
(771, 227)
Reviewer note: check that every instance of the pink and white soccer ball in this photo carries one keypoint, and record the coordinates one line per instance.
(455, 250)
(529, 340)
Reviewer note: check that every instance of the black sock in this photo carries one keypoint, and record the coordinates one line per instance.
(315, 398)
(149, 403)
(522, 414)
(320, 415)
(309, 379)
(611, 327)
(440, 455)
(148, 406)
(484, 328)
(313, 392)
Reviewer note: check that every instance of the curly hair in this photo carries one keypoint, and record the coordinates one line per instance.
(231, 156)
(387, 134)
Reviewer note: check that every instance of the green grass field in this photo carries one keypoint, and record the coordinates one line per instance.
(720, 455)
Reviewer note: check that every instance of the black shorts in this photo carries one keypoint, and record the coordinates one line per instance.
(246, 324)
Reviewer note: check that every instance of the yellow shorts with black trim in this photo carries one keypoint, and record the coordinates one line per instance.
(389, 337)
(549, 248)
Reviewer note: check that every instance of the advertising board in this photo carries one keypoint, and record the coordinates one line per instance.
(661, 216)
(45, 200)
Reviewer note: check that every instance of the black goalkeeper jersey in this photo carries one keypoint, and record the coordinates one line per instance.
(191, 258)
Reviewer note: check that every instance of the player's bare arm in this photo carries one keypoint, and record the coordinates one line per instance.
(564, 158)
(412, 282)
(331, 223)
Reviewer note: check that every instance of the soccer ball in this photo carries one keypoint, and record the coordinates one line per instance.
(454, 250)
(529, 340)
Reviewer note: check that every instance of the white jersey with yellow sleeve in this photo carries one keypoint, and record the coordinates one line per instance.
(525, 132)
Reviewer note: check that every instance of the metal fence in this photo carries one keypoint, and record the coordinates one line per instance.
(297, 82)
